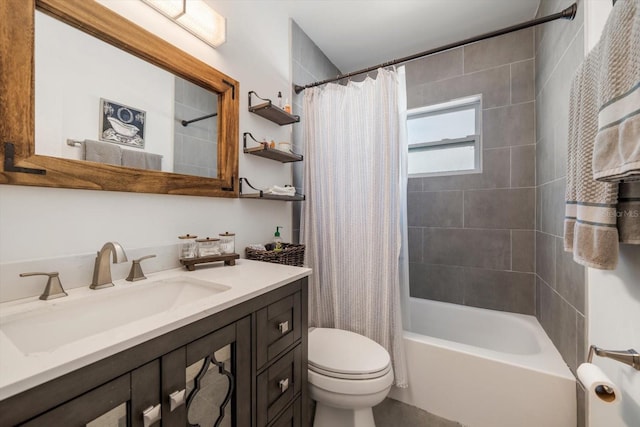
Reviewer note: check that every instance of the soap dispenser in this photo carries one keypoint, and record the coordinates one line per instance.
(277, 240)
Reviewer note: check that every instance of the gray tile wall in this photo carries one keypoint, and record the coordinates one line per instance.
(309, 65)
(195, 147)
(560, 282)
(472, 237)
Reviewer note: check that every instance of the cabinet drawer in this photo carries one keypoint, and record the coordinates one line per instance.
(277, 327)
(291, 417)
(278, 385)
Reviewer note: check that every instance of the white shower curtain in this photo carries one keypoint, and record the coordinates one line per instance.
(351, 223)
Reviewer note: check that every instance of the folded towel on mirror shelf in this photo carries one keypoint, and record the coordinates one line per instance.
(287, 190)
(616, 154)
(102, 152)
(141, 160)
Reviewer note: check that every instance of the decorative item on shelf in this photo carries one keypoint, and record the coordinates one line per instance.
(188, 247)
(208, 247)
(286, 193)
(272, 112)
(282, 153)
(289, 254)
(227, 242)
(287, 107)
(284, 146)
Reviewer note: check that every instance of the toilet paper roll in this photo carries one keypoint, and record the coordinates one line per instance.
(600, 389)
(603, 397)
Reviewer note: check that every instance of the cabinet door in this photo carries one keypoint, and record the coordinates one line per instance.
(123, 402)
(208, 382)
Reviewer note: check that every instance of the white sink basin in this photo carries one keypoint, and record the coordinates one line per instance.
(63, 322)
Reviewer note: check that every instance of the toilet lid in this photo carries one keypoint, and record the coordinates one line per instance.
(340, 353)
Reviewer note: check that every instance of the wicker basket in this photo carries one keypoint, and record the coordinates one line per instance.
(290, 254)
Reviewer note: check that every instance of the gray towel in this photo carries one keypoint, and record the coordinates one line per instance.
(141, 160)
(616, 155)
(153, 161)
(590, 212)
(102, 152)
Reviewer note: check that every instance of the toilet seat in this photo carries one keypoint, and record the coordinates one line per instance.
(341, 354)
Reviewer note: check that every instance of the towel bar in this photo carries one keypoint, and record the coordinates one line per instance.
(628, 357)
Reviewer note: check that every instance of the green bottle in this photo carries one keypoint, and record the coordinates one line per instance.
(277, 240)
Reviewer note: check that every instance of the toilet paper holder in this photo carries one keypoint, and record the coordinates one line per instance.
(628, 357)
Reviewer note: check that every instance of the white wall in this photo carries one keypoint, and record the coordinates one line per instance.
(39, 224)
(614, 296)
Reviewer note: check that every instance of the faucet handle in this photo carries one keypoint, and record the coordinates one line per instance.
(54, 287)
(136, 270)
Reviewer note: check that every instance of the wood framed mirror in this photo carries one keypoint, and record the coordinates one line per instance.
(21, 165)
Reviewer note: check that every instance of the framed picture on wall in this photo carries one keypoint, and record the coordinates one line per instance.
(121, 124)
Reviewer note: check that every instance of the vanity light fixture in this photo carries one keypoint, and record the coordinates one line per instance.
(195, 16)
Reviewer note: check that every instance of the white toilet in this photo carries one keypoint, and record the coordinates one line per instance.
(348, 375)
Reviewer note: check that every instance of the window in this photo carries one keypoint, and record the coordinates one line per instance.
(444, 139)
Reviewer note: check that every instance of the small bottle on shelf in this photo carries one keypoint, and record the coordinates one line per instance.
(279, 99)
(287, 106)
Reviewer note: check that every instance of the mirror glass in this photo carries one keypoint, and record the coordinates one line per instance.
(95, 102)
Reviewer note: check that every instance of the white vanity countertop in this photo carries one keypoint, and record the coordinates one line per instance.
(20, 372)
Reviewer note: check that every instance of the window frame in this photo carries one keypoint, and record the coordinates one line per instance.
(451, 106)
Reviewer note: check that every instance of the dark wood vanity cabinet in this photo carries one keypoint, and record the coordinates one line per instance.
(244, 366)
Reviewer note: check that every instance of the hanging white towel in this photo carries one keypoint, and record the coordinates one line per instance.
(616, 155)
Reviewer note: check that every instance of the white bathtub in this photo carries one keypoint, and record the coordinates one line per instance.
(485, 368)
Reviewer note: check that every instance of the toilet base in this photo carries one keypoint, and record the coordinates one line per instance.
(327, 416)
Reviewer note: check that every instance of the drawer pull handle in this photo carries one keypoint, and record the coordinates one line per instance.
(151, 415)
(176, 399)
(283, 327)
(283, 385)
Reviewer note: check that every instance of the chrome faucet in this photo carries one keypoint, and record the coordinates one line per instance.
(102, 268)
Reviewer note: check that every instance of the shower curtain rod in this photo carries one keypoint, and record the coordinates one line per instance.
(568, 13)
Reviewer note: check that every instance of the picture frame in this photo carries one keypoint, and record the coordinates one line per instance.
(122, 124)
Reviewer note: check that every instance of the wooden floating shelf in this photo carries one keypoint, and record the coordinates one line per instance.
(274, 154)
(265, 196)
(274, 114)
(190, 263)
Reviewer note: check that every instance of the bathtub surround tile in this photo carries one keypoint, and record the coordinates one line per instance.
(495, 174)
(512, 208)
(500, 290)
(393, 413)
(523, 170)
(581, 400)
(523, 81)
(495, 203)
(468, 247)
(510, 125)
(558, 319)
(499, 50)
(435, 209)
(570, 278)
(437, 282)
(435, 67)
(560, 283)
(494, 84)
(414, 184)
(414, 237)
(553, 43)
(523, 251)
(544, 161)
(546, 257)
(581, 342)
(551, 200)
